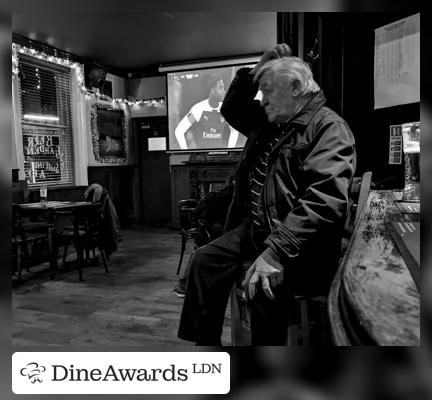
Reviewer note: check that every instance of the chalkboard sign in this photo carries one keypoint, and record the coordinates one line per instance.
(108, 133)
(43, 149)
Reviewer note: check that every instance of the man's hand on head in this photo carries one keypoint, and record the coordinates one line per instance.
(279, 51)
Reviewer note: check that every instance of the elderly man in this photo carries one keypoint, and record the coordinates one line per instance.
(289, 203)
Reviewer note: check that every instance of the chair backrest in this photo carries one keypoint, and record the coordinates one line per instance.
(20, 193)
(357, 199)
(313, 310)
(187, 214)
(17, 228)
(363, 194)
(88, 218)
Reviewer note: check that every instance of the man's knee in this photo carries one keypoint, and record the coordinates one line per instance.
(207, 258)
(198, 258)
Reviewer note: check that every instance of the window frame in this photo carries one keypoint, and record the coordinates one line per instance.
(69, 126)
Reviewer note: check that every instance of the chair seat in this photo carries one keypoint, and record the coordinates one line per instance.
(30, 226)
(317, 299)
(70, 233)
(29, 237)
(71, 227)
(190, 232)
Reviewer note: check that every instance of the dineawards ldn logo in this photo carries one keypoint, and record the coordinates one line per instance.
(121, 373)
(33, 371)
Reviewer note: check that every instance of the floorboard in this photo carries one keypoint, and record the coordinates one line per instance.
(132, 305)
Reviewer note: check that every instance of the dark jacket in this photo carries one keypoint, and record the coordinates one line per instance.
(110, 232)
(211, 212)
(305, 194)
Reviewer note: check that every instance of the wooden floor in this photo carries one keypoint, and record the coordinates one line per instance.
(133, 305)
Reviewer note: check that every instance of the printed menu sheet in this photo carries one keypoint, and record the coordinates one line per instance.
(397, 63)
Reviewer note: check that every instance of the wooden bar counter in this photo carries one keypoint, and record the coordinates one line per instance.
(374, 299)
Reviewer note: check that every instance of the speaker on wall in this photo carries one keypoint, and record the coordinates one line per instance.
(95, 79)
(94, 75)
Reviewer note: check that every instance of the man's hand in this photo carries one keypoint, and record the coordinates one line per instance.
(262, 271)
(279, 51)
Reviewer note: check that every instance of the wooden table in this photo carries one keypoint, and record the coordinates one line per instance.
(52, 205)
(374, 300)
(48, 208)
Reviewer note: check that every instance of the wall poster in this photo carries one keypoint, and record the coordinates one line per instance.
(108, 125)
(397, 63)
(43, 154)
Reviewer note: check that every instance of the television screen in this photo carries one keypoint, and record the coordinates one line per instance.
(194, 118)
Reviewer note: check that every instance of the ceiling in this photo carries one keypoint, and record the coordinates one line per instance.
(133, 41)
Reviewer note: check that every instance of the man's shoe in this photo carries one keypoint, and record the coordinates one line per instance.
(179, 291)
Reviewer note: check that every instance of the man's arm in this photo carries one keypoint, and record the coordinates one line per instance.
(239, 107)
(182, 128)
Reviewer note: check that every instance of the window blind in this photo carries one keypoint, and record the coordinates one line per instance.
(46, 116)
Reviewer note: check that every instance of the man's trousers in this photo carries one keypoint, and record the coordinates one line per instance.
(213, 270)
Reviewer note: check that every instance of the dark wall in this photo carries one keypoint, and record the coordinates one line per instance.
(119, 181)
(371, 126)
(154, 192)
(345, 71)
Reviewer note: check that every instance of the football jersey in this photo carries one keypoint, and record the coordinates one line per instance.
(211, 129)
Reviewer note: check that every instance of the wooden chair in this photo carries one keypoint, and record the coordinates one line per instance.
(312, 326)
(25, 234)
(85, 235)
(189, 227)
(20, 192)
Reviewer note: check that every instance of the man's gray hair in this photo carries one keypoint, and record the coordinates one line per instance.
(289, 69)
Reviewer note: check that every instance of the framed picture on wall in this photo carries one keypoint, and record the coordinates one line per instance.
(109, 136)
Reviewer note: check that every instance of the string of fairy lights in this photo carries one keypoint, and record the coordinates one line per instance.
(18, 49)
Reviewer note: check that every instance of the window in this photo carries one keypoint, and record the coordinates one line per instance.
(45, 94)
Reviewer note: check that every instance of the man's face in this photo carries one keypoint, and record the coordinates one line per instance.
(278, 100)
(218, 91)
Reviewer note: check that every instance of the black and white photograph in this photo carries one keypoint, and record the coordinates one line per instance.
(217, 179)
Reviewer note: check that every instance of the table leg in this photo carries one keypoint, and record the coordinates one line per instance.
(53, 251)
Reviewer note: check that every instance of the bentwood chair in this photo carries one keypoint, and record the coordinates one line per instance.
(85, 234)
(189, 227)
(310, 325)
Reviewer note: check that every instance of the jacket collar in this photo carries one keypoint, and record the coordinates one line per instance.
(309, 110)
(301, 119)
